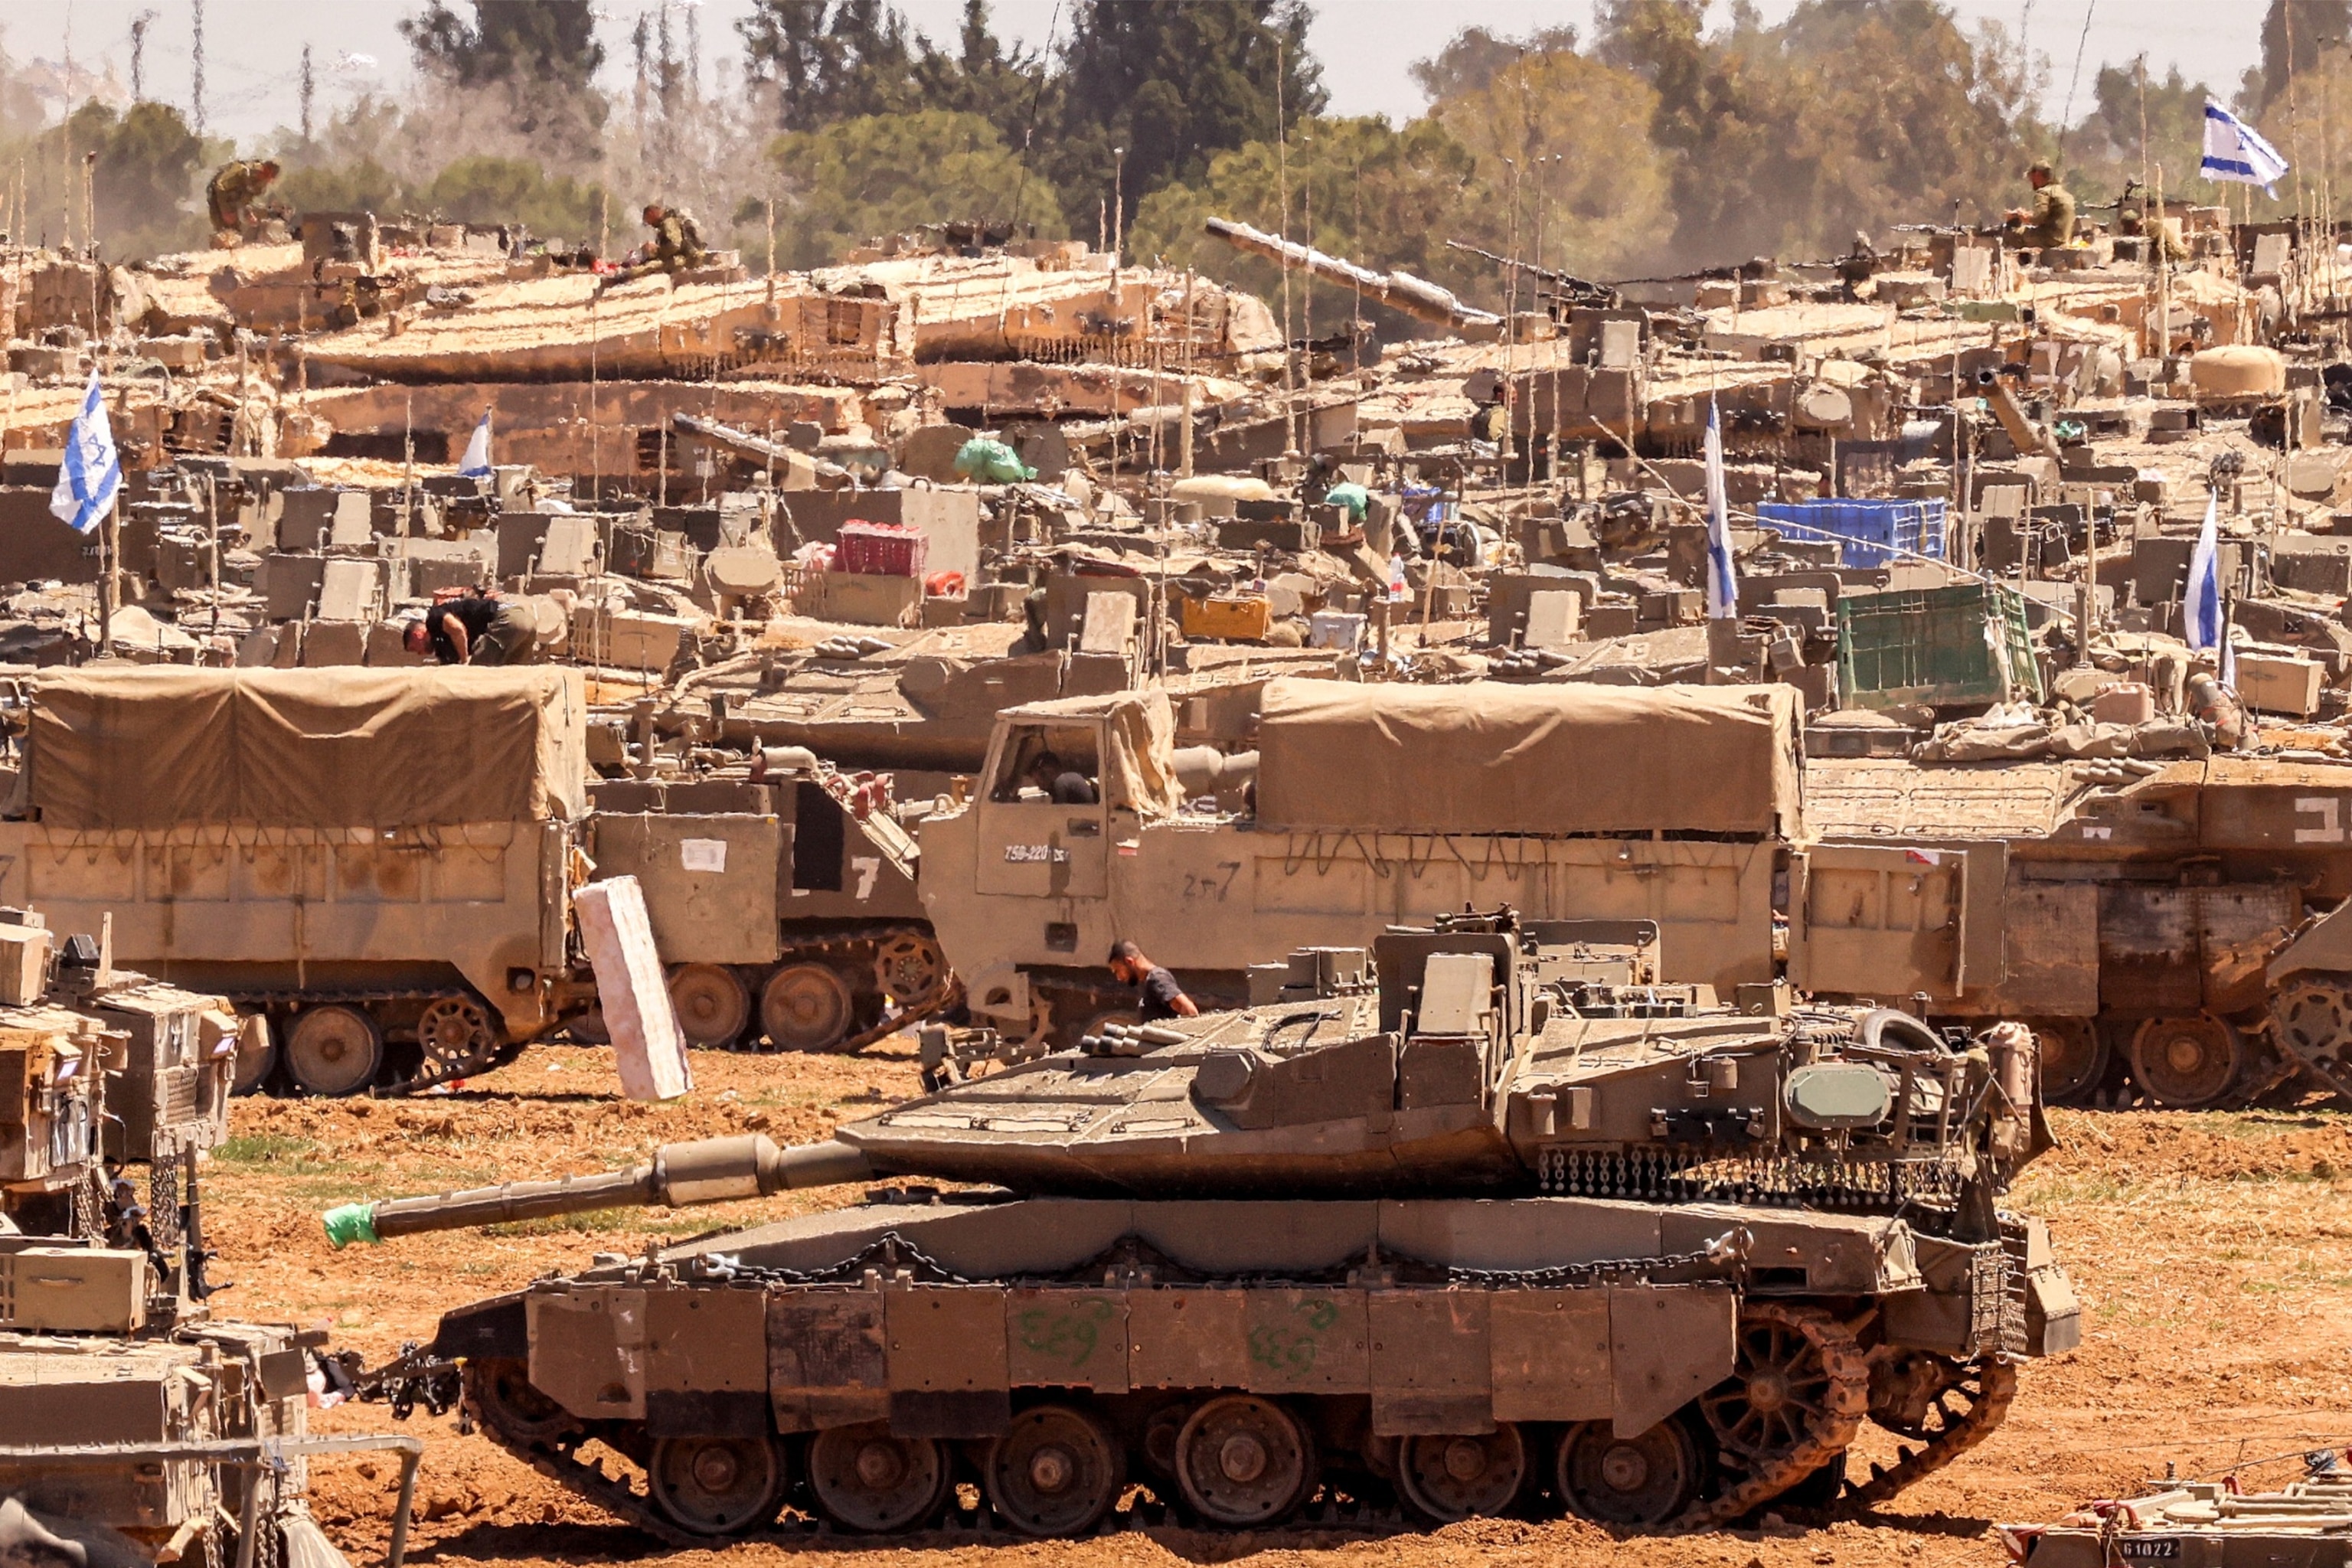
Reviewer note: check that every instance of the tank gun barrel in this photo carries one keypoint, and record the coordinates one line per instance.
(1416, 297)
(711, 1171)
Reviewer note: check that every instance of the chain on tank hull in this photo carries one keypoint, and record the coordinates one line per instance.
(1246, 1363)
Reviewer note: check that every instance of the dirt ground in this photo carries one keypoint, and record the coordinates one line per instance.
(2213, 1253)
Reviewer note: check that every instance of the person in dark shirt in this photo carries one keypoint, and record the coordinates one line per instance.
(1063, 786)
(475, 629)
(1160, 995)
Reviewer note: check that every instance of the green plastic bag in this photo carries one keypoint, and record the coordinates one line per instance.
(1356, 499)
(351, 1223)
(992, 461)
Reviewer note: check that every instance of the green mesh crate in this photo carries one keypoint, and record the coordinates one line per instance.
(1943, 647)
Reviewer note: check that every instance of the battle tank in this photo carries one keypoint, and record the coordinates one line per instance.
(1459, 1223)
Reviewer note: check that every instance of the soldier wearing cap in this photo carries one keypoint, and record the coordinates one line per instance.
(2050, 220)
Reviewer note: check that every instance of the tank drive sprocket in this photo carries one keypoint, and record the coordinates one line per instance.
(1797, 1395)
(1947, 1407)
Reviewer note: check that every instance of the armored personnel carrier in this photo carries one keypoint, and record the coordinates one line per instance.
(1461, 1222)
(129, 1415)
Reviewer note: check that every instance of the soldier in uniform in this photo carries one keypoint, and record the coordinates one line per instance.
(2050, 220)
(233, 189)
(677, 247)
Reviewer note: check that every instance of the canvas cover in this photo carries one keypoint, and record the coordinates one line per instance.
(1138, 760)
(1564, 759)
(153, 748)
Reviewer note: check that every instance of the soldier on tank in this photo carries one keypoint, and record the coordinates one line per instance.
(2049, 222)
(233, 192)
(478, 629)
(677, 247)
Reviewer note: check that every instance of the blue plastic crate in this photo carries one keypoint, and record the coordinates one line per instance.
(1873, 533)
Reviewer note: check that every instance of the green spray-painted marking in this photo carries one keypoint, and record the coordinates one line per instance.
(1293, 1347)
(1069, 1335)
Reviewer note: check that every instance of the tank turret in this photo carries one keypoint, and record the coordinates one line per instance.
(1478, 1219)
(1480, 1058)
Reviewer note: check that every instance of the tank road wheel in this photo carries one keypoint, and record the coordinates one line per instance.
(1946, 1406)
(1240, 1461)
(2311, 1020)
(457, 1036)
(717, 1486)
(865, 1480)
(333, 1051)
(1450, 1478)
(2186, 1064)
(2073, 1058)
(712, 1001)
(503, 1397)
(909, 969)
(1054, 1472)
(806, 1007)
(1796, 1396)
(1641, 1481)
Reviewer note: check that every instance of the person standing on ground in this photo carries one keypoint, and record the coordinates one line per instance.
(1157, 990)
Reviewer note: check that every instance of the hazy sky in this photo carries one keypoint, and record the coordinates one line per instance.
(253, 49)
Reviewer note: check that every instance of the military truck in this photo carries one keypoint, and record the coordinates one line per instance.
(380, 861)
(1446, 1226)
(2178, 921)
(1379, 805)
(782, 895)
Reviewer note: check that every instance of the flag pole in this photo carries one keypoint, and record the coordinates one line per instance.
(111, 550)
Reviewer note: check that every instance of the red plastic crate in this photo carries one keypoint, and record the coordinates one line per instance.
(881, 549)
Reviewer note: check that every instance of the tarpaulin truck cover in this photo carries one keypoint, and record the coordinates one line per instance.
(1548, 760)
(153, 748)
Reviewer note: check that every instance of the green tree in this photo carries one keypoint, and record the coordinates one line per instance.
(829, 60)
(144, 169)
(2103, 148)
(362, 185)
(1174, 85)
(1848, 115)
(877, 174)
(479, 188)
(1566, 168)
(1475, 56)
(2296, 36)
(1011, 90)
(537, 58)
(551, 41)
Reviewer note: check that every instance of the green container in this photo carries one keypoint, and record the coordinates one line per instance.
(1949, 647)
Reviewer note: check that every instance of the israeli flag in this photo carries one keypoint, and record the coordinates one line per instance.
(91, 473)
(2201, 603)
(2235, 151)
(476, 465)
(1722, 583)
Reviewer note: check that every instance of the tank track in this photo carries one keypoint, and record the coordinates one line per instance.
(1843, 1408)
(557, 1459)
(1978, 1422)
(854, 949)
(500, 1051)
